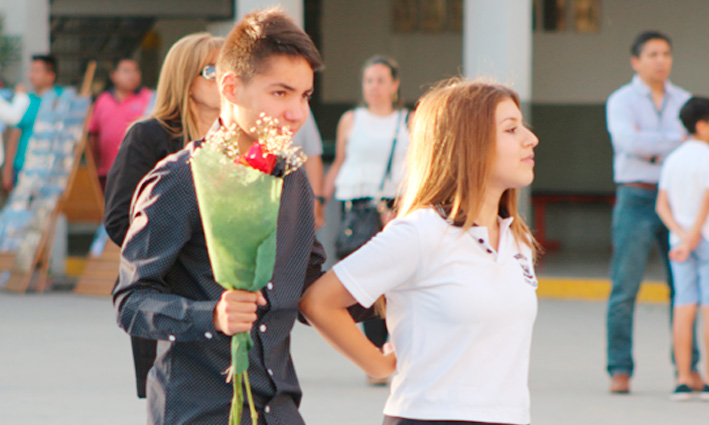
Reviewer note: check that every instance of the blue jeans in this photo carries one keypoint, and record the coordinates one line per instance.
(635, 228)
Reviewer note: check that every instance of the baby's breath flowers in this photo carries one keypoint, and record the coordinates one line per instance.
(224, 140)
(278, 141)
(272, 153)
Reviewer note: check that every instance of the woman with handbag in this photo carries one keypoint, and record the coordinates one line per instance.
(455, 266)
(372, 141)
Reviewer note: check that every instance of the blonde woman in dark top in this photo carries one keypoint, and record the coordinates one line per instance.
(186, 106)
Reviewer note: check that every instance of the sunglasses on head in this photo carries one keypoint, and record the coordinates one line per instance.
(209, 72)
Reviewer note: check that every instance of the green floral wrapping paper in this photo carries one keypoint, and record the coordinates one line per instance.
(239, 208)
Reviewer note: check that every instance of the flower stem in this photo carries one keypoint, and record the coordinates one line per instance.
(252, 407)
(237, 403)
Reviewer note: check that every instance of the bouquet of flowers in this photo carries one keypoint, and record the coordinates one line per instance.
(238, 197)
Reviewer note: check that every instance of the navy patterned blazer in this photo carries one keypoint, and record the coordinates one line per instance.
(167, 292)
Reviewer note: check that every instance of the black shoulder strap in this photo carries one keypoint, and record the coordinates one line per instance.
(387, 172)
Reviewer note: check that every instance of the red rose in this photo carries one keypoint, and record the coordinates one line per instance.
(256, 158)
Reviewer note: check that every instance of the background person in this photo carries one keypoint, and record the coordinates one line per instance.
(42, 76)
(644, 126)
(308, 138)
(11, 113)
(114, 110)
(683, 205)
(363, 147)
(186, 105)
(456, 268)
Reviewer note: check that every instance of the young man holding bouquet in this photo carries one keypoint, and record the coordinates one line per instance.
(168, 290)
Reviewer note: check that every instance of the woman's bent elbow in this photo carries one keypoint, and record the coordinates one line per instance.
(306, 305)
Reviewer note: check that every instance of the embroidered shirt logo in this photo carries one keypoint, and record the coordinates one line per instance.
(527, 271)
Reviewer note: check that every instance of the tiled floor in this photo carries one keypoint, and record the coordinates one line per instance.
(64, 361)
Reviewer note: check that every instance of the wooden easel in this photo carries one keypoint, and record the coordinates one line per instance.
(19, 281)
(100, 273)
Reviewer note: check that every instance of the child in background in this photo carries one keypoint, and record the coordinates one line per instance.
(683, 204)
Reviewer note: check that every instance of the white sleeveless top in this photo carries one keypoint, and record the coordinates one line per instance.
(366, 155)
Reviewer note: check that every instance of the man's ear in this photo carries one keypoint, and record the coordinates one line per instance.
(229, 85)
(634, 63)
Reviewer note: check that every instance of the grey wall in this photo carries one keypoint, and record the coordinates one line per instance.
(171, 30)
(353, 31)
(586, 68)
(574, 152)
(159, 8)
(28, 19)
(567, 67)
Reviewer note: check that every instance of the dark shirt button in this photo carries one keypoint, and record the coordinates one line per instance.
(489, 251)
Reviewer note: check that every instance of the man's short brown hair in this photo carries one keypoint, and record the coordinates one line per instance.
(261, 35)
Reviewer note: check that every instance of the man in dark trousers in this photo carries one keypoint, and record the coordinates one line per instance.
(167, 290)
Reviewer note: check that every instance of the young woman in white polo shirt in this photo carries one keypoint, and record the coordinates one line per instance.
(455, 267)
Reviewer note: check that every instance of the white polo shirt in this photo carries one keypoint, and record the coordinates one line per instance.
(685, 179)
(460, 317)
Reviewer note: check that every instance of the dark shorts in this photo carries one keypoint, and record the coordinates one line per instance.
(389, 420)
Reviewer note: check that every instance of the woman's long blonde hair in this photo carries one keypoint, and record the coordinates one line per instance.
(451, 151)
(183, 62)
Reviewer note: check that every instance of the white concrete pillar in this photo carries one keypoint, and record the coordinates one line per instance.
(28, 19)
(294, 8)
(497, 42)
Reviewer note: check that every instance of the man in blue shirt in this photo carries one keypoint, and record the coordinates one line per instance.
(644, 126)
(42, 75)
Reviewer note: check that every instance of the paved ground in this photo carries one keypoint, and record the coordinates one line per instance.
(63, 361)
